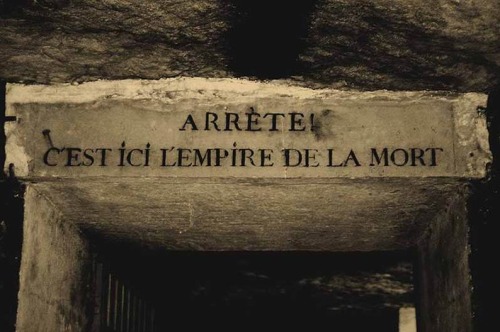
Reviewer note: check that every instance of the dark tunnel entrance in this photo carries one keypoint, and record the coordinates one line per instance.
(140, 290)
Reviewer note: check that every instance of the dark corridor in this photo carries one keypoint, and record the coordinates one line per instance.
(189, 291)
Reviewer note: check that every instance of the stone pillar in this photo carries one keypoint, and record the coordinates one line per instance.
(55, 271)
(442, 273)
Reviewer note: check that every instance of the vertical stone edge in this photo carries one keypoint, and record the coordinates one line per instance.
(56, 271)
(443, 279)
(17, 159)
(484, 208)
(11, 223)
(472, 150)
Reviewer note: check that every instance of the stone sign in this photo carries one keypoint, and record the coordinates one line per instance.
(235, 128)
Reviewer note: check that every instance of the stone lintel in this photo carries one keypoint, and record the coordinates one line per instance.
(195, 127)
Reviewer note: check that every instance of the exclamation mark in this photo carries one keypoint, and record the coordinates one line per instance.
(311, 118)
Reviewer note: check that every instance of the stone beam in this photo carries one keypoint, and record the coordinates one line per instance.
(195, 127)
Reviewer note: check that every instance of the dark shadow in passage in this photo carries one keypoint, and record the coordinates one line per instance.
(267, 37)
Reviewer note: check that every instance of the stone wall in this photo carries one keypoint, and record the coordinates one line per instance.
(399, 45)
(55, 271)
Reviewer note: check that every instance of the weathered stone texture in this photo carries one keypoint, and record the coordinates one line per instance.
(253, 214)
(417, 44)
(89, 40)
(364, 123)
(54, 278)
(443, 276)
(405, 44)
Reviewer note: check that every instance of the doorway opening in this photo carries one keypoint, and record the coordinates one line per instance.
(159, 290)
